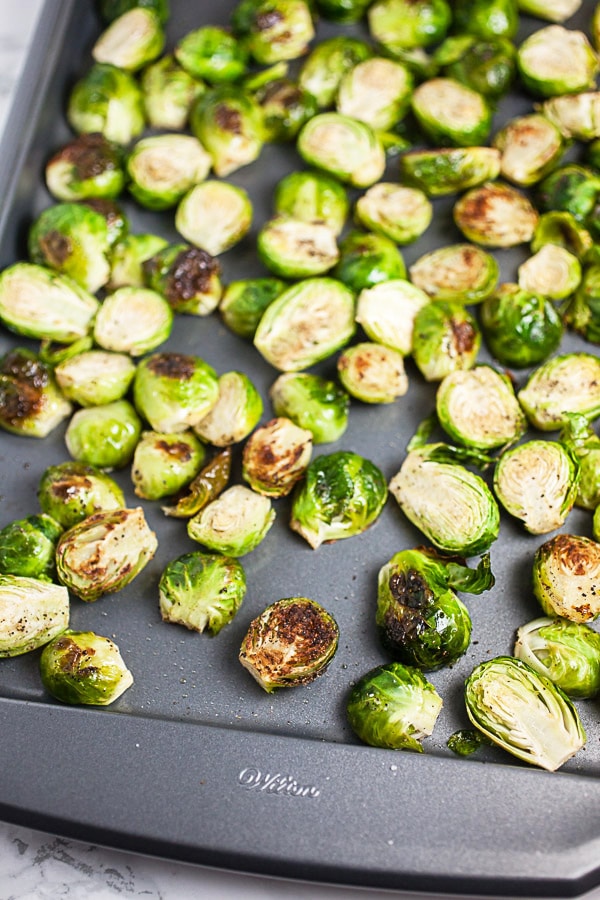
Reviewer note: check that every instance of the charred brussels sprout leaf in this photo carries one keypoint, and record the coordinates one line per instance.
(206, 486)
(466, 741)
(202, 591)
(234, 523)
(28, 547)
(312, 402)
(72, 491)
(568, 653)
(81, 667)
(104, 436)
(31, 403)
(32, 612)
(565, 577)
(520, 327)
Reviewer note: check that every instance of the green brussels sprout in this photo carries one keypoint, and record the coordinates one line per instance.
(104, 552)
(234, 523)
(553, 272)
(536, 482)
(163, 464)
(376, 91)
(285, 108)
(326, 64)
(486, 18)
(575, 115)
(71, 491)
(344, 147)
(202, 591)
(28, 547)
(487, 65)
(341, 495)
(32, 612)
(408, 24)
(523, 712)
(447, 170)
(273, 30)
(565, 576)
(582, 442)
(212, 53)
(188, 277)
(112, 9)
(88, 166)
(495, 215)
(452, 506)
(107, 100)
(72, 239)
(530, 146)
(275, 456)
(446, 338)
(244, 301)
(105, 435)
(228, 122)
(164, 167)
(312, 402)
(568, 653)
(174, 391)
(133, 320)
(562, 228)
(57, 308)
(397, 211)
(581, 313)
(290, 643)
(306, 323)
(236, 412)
(168, 93)
(206, 486)
(556, 60)
(214, 215)
(293, 248)
(567, 383)
(420, 619)
(478, 408)
(343, 11)
(387, 311)
(450, 113)
(127, 259)
(372, 372)
(521, 328)
(31, 403)
(131, 41)
(557, 11)
(393, 706)
(117, 222)
(570, 188)
(81, 667)
(312, 196)
(95, 377)
(460, 273)
(366, 259)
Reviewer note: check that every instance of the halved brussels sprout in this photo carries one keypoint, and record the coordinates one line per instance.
(131, 40)
(105, 435)
(366, 259)
(28, 547)
(387, 312)
(408, 23)
(446, 338)
(341, 495)
(306, 323)
(234, 523)
(133, 320)
(228, 122)
(202, 591)
(88, 166)
(565, 577)
(293, 248)
(244, 301)
(275, 456)
(479, 408)
(376, 91)
(127, 259)
(452, 506)
(286, 107)
(164, 167)
(344, 147)
(496, 215)
(397, 211)
(163, 464)
(273, 30)
(206, 486)
(32, 612)
(169, 93)
(82, 667)
(520, 327)
(450, 113)
(567, 383)
(31, 403)
(583, 443)
(557, 11)
(531, 146)
(461, 273)
(372, 372)
(290, 643)
(447, 170)
(487, 18)
(95, 377)
(556, 60)
(188, 277)
(553, 271)
(568, 653)
(487, 65)
(117, 221)
(312, 196)
(571, 188)
(523, 712)
(394, 706)
(112, 9)
(104, 552)
(174, 391)
(107, 100)
(562, 228)
(326, 64)
(577, 116)
(72, 491)
(214, 215)
(212, 53)
(581, 314)
(343, 11)
(312, 402)
(237, 410)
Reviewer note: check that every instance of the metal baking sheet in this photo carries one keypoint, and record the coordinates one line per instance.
(195, 762)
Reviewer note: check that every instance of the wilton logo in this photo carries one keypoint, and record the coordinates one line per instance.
(254, 780)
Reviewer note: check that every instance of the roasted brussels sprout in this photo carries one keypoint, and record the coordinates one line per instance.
(244, 301)
(105, 435)
(95, 377)
(452, 506)
(286, 107)
(376, 91)
(478, 408)
(237, 410)
(487, 65)
(28, 547)
(366, 259)
(228, 122)
(420, 619)
(293, 248)
(188, 277)
(530, 147)
(127, 259)
(496, 215)
(312, 402)
(202, 591)
(575, 115)
(486, 18)
(81, 667)
(212, 53)
(536, 482)
(450, 113)
(163, 464)
(343, 11)
(582, 312)
(520, 327)
(290, 643)
(565, 577)
(275, 456)
(107, 100)
(567, 383)
(570, 188)
(568, 653)
(387, 312)
(71, 491)
(206, 486)
(312, 196)
(112, 9)
(446, 338)
(580, 439)
(556, 60)
(234, 523)
(306, 323)
(344, 147)
(174, 391)
(164, 167)
(393, 706)
(214, 215)
(88, 166)
(523, 712)
(131, 41)
(31, 403)
(557, 11)
(461, 273)
(326, 64)
(407, 24)
(117, 221)
(274, 30)
(168, 93)
(133, 320)
(448, 170)
(104, 552)
(397, 211)
(32, 612)
(553, 272)
(372, 372)
(562, 228)
(341, 495)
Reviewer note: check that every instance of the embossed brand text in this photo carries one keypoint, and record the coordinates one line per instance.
(276, 783)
